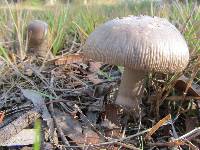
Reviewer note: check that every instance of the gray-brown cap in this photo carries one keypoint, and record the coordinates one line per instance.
(139, 42)
(37, 31)
(38, 39)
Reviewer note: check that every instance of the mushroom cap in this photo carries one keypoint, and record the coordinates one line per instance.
(139, 42)
(37, 31)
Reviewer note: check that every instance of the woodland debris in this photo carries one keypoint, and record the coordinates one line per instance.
(187, 98)
(183, 140)
(2, 114)
(68, 59)
(59, 130)
(193, 90)
(157, 126)
(24, 137)
(191, 123)
(111, 121)
(19, 124)
(38, 102)
(72, 128)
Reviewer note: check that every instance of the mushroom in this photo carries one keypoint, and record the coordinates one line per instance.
(141, 44)
(37, 39)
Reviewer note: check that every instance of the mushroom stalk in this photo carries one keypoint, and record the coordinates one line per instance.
(131, 89)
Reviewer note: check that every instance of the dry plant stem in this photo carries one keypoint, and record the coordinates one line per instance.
(131, 89)
(192, 134)
(160, 99)
(188, 136)
(19, 124)
(89, 123)
(128, 146)
(180, 98)
(113, 141)
(194, 72)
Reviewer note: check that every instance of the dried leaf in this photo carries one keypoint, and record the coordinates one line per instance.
(73, 129)
(181, 84)
(93, 111)
(24, 137)
(38, 102)
(111, 122)
(94, 67)
(91, 137)
(68, 59)
(2, 115)
(92, 116)
(12, 56)
(94, 78)
(157, 126)
(191, 123)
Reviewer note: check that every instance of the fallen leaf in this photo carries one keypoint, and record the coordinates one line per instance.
(12, 56)
(24, 137)
(157, 126)
(38, 102)
(72, 128)
(111, 121)
(91, 137)
(68, 59)
(92, 116)
(2, 115)
(181, 85)
(94, 78)
(94, 67)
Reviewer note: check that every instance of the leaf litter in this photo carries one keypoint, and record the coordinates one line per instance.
(74, 98)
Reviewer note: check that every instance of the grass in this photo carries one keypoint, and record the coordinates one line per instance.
(37, 141)
(71, 19)
(73, 22)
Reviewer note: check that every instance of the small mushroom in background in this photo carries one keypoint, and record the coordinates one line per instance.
(141, 44)
(38, 40)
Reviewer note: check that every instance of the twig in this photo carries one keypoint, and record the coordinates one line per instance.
(129, 146)
(187, 98)
(60, 132)
(190, 135)
(89, 123)
(194, 72)
(113, 141)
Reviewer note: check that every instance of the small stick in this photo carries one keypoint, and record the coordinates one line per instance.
(187, 98)
(192, 134)
(60, 132)
(129, 146)
(113, 141)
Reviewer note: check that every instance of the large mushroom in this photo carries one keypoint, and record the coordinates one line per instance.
(141, 44)
(37, 39)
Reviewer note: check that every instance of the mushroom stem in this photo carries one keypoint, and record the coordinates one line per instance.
(131, 89)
